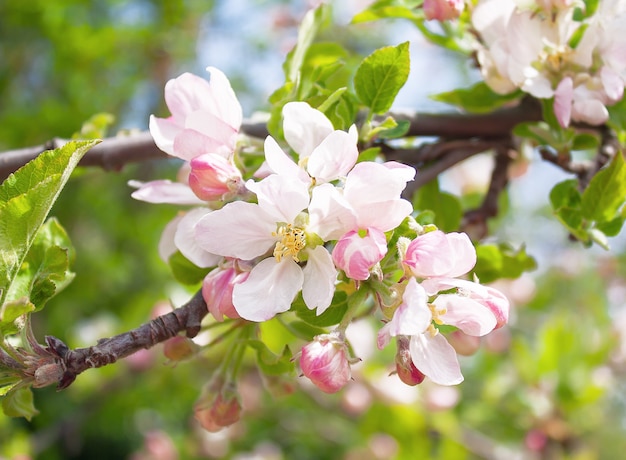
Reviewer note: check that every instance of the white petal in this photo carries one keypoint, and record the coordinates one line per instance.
(280, 163)
(412, 316)
(436, 359)
(163, 131)
(223, 101)
(468, 315)
(164, 191)
(241, 230)
(269, 290)
(334, 157)
(281, 196)
(185, 239)
(320, 276)
(305, 127)
(166, 242)
(330, 215)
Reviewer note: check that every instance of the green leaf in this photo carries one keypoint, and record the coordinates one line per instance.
(476, 99)
(185, 271)
(606, 193)
(270, 363)
(501, 261)
(445, 206)
(26, 198)
(19, 403)
(333, 314)
(309, 28)
(381, 9)
(566, 203)
(45, 270)
(381, 75)
(10, 312)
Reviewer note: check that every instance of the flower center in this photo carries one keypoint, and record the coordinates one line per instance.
(292, 240)
(437, 313)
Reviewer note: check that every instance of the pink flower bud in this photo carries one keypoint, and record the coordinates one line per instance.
(218, 407)
(325, 362)
(213, 176)
(217, 291)
(357, 252)
(443, 10)
(406, 370)
(464, 344)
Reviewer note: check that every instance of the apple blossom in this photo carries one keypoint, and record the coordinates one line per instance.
(439, 254)
(206, 117)
(277, 223)
(325, 362)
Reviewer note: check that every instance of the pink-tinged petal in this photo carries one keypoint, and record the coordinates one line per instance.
(222, 137)
(467, 314)
(412, 317)
(185, 240)
(334, 157)
(383, 215)
(464, 253)
(185, 94)
(613, 84)
(374, 182)
(190, 144)
(404, 173)
(320, 276)
(167, 247)
(563, 96)
(240, 230)
(280, 163)
(223, 101)
(269, 290)
(164, 191)
(487, 296)
(356, 254)
(436, 359)
(591, 111)
(283, 197)
(305, 127)
(164, 131)
(330, 215)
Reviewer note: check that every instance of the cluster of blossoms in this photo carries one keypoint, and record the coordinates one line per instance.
(313, 226)
(540, 47)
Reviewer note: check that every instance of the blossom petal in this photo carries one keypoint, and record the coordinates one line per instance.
(164, 191)
(240, 230)
(281, 196)
(412, 317)
(330, 215)
(280, 163)
(305, 127)
(185, 239)
(436, 359)
(320, 276)
(334, 157)
(167, 247)
(563, 96)
(163, 131)
(470, 316)
(223, 100)
(269, 290)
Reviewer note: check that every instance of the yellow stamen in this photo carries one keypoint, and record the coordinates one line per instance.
(437, 313)
(292, 240)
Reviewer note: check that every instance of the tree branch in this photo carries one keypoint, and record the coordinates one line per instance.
(70, 363)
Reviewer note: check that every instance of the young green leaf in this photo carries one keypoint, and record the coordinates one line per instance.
(476, 99)
(606, 193)
(381, 75)
(26, 198)
(19, 403)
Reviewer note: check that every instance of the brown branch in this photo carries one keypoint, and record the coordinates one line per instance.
(70, 363)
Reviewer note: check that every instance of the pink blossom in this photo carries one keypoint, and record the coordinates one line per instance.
(325, 362)
(206, 117)
(217, 290)
(439, 254)
(214, 177)
(443, 10)
(358, 251)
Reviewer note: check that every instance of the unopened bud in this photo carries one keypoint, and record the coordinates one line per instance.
(217, 410)
(463, 344)
(179, 348)
(443, 10)
(217, 291)
(325, 362)
(213, 177)
(406, 370)
(357, 252)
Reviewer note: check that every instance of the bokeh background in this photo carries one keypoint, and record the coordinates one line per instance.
(551, 385)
